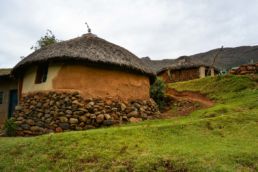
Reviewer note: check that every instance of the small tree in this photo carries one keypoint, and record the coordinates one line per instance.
(45, 41)
(157, 93)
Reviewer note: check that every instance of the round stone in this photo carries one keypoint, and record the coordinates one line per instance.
(58, 129)
(73, 121)
(63, 119)
(100, 118)
(30, 122)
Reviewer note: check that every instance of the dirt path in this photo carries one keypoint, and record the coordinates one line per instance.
(190, 96)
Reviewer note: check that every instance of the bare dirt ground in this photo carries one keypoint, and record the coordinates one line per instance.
(185, 102)
(191, 96)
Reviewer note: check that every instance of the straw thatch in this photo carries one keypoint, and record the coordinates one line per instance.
(86, 49)
(184, 65)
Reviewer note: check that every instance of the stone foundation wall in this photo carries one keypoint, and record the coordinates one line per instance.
(43, 112)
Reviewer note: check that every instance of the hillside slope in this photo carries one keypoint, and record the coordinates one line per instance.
(228, 58)
(221, 138)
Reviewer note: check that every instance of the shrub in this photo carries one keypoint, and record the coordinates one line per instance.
(10, 127)
(157, 93)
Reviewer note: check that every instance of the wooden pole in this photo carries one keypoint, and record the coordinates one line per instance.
(214, 60)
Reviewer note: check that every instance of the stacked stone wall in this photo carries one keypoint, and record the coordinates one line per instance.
(45, 112)
(245, 69)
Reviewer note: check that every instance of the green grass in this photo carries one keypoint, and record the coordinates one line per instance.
(220, 87)
(221, 138)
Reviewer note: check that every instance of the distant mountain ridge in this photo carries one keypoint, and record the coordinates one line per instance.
(227, 58)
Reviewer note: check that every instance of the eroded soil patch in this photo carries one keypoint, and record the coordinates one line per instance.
(185, 102)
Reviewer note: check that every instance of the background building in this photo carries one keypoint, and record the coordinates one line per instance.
(8, 95)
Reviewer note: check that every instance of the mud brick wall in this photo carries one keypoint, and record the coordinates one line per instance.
(180, 75)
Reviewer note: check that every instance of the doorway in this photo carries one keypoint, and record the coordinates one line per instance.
(13, 101)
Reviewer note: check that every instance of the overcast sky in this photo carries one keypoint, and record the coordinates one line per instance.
(156, 28)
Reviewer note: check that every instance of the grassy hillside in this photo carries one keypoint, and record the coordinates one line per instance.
(221, 138)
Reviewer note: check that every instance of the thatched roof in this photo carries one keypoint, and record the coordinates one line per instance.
(5, 72)
(181, 65)
(86, 49)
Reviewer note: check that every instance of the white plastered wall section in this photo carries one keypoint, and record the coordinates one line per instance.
(29, 85)
(202, 72)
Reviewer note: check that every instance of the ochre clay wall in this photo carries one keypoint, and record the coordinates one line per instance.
(90, 82)
(180, 75)
(102, 83)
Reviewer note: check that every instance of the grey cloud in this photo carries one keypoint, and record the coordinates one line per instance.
(155, 28)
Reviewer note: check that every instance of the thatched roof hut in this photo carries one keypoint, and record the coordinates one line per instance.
(82, 83)
(186, 70)
(92, 61)
(88, 49)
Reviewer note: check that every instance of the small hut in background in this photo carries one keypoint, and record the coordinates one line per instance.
(185, 72)
(8, 95)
